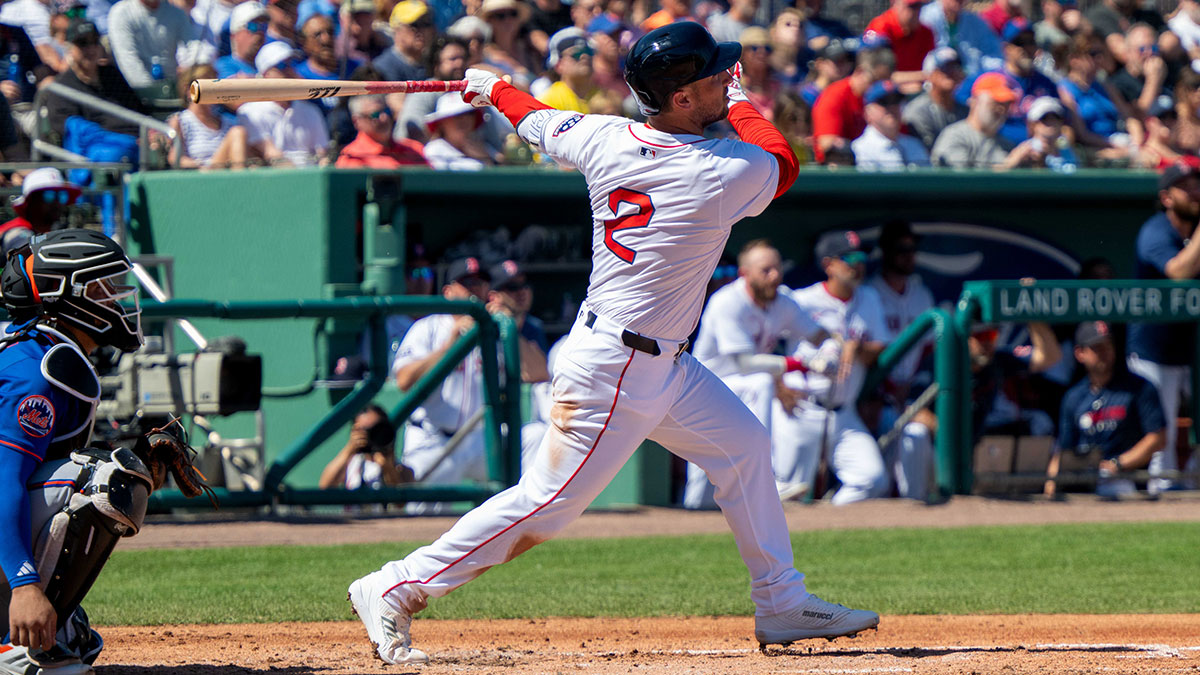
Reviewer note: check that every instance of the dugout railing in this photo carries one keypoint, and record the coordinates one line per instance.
(1069, 301)
(501, 418)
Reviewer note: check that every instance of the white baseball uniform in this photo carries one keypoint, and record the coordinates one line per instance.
(732, 324)
(827, 420)
(446, 410)
(910, 457)
(663, 206)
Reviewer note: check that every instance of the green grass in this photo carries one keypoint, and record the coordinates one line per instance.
(1096, 569)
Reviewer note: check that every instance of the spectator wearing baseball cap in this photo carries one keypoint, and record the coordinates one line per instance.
(1168, 248)
(974, 143)
(412, 34)
(288, 132)
(1110, 410)
(374, 146)
(1046, 146)
(882, 147)
(247, 32)
(359, 40)
(728, 26)
(838, 113)
(833, 62)
(571, 62)
(91, 73)
(953, 26)
(45, 195)
(908, 38)
(455, 144)
(936, 108)
(510, 50)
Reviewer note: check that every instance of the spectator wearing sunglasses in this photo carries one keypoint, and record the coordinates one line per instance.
(247, 32)
(374, 147)
(44, 198)
(571, 61)
(412, 32)
(1143, 77)
(758, 79)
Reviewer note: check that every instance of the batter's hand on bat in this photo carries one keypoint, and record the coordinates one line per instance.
(479, 87)
(788, 398)
(734, 90)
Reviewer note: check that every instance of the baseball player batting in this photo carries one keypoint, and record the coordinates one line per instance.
(663, 201)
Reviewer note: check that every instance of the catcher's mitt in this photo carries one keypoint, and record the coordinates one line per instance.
(164, 450)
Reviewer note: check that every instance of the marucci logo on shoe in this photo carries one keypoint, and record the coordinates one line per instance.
(817, 615)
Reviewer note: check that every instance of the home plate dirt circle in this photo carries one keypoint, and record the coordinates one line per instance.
(1059, 644)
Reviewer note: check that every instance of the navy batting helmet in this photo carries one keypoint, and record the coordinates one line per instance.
(667, 58)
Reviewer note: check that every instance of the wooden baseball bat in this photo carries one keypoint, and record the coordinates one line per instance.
(243, 90)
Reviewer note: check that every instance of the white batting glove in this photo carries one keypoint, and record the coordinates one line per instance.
(734, 91)
(828, 358)
(479, 87)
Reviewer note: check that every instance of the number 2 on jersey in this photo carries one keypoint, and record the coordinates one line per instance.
(639, 218)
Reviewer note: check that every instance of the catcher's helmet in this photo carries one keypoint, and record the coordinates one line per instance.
(667, 58)
(74, 277)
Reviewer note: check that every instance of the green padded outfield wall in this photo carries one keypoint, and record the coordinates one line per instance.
(283, 234)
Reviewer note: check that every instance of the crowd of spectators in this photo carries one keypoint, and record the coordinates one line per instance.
(1003, 84)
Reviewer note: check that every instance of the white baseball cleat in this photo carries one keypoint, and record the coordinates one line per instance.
(16, 661)
(814, 618)
(386, 627)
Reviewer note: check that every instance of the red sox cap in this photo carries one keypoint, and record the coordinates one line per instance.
(838, 244)
(1091, 333)
(465, 267)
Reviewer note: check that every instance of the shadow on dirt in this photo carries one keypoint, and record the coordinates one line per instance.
(928, 652)
(201, 669)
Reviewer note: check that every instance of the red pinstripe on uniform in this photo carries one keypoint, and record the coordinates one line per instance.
(555, 496)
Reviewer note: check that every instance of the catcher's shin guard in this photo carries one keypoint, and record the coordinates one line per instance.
(109, 502)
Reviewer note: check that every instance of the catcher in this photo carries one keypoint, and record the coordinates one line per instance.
(64, 503)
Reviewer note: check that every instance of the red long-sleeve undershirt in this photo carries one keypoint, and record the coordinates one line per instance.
(750, 126)
(753, 128)
(514, 103)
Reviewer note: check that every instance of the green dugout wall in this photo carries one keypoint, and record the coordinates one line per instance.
(271, 234)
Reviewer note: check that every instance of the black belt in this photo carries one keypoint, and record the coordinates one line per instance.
(630, 338)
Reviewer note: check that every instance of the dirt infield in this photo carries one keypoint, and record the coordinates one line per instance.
(1012, 645)
(1056, 644)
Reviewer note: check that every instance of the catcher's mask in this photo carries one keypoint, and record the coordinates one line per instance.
(76, 278)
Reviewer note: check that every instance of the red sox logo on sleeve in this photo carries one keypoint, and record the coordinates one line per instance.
(566, 126)
(35, 414)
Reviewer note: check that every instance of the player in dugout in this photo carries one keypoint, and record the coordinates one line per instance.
(664, 200)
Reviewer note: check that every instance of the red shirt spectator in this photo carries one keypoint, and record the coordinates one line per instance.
(1000, 13)
(368, 153)
(909, 39)
(838, 112)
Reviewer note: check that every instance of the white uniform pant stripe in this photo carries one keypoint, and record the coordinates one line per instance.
(600, 393)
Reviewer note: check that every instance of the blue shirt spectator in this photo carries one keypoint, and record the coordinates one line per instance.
(230, 65)
(1113, 417)
(979, 49)
(1096, 109)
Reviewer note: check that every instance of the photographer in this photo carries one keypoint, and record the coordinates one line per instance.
(369, 458)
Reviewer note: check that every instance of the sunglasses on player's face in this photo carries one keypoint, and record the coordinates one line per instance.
(257, 26)
(55, 196)
(854, 258)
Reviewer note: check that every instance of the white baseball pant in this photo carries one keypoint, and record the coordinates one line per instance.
(757, 391)
(1172, 383)
(607, 399)
(910, 457)
(797, 441)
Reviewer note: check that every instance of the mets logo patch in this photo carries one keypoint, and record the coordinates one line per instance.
(566, 126)
(36, 415)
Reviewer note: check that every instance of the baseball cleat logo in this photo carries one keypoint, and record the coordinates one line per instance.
(35, 414)
(566, 126)
(817, 615)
